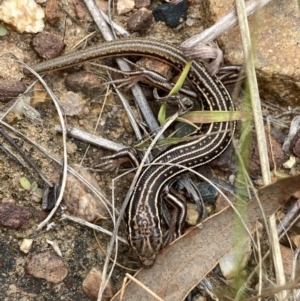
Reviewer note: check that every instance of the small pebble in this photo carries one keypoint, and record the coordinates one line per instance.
(103, 5)
(231, 179)
(190, 22)
(48, 45)
(151, 64)
(192, 215)
(53, 12)
(14, 216)
(72, 103)
(141, 21)
(26, 245)
(23, 15)
(290, 163)
(86, 82)
(171, 14)
(79, 201)
(142, 3)
(207, 192)
(91, 285)
(47, 265)
(86, 110)
(80, 10)
(124, 6)
(10, 89)
(114, 109)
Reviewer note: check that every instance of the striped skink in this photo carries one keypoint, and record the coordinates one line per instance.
(143, 211)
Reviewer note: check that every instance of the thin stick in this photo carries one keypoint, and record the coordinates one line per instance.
(91, 139)
(144, 287)
(83, 222)
(226, 22)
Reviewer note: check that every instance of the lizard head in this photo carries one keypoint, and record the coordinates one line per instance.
(145, 236)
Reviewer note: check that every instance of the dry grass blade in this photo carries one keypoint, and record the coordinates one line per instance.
(64, 136)
(214, 116)
(277, 258)
(180, 266)
(253, 90)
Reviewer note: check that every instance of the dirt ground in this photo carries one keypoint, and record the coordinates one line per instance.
(77, 243)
